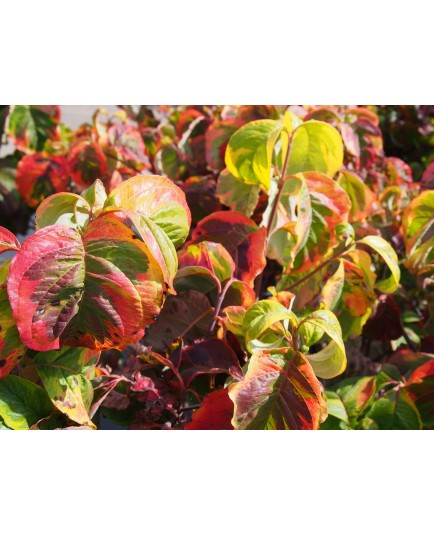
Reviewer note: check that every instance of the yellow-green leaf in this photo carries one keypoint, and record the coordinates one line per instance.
(388, 254)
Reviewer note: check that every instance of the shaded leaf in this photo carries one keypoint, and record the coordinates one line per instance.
(22, 403)
(87, 162)
(215, 413)
(362, 198)
(236, 194)
(30, 126)
(187, 315)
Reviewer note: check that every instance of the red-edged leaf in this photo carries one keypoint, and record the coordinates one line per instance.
(11, 347)
(215, 413)
(210, 255)
(156, 198)
(420, 387)
(212, 356)
(279, 392)
(39, 176)
(98, 290)
(240, 236)
(8, 241)
(398, 171)
(129, 143)
(87, 162)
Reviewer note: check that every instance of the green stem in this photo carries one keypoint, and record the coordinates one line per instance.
(280, 184)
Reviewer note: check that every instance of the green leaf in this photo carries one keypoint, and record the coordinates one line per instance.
(395, 411)
(64, 375)
(156, 198)
(64, 209)
(279, 392)
(357, 396)
(258, 320)
(388, 254)
(316, 146)
(362, 198)
(22, 403)
(336, 407)
(96, 196)
(31, 125)
(332, 290)
(250, 151)
(236, 194)
(418, 226)
(331, 360)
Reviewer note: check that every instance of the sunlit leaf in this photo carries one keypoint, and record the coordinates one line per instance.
(279, 392)
(39, 177)
(362, 198)
(8, 241)
(388, 254)
(64, 376)
(250, 150)
(316, 146)
(240, 236)
(63, 209)
(420, 388)
(156, 198)
(99, 290)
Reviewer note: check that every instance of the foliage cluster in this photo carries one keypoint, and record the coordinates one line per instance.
(218, 267)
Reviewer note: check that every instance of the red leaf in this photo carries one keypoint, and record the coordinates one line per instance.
(385, 322)
(88, 163)
(240, 236)
(8, 241)
(215, 413)
(420, 387)
(39, 177)
(212, 356)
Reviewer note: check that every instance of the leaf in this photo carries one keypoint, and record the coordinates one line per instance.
(250, 150)
(187, 315)
(39, 177)
(126, 139)
(311, 208)
(63, 209)
(279, 392)
(216, 140)
(210, 255)
(156, 198)
(236, 194)
(87, 162)
(336, 407)
(357, 396)
(212, 356)
(316, 146)
(99, 290)
(258, 320)
(96, 196)
(63, 374)
(332, 290)
(418, 227)
(215, 413)
(22, 403)
(11, 347)
(31, 126)
(331, 360)
(8, 241)
(362, 198)
(395, 411)
(385, 322)
(388, 254)
(240, 236)
(420, 388)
